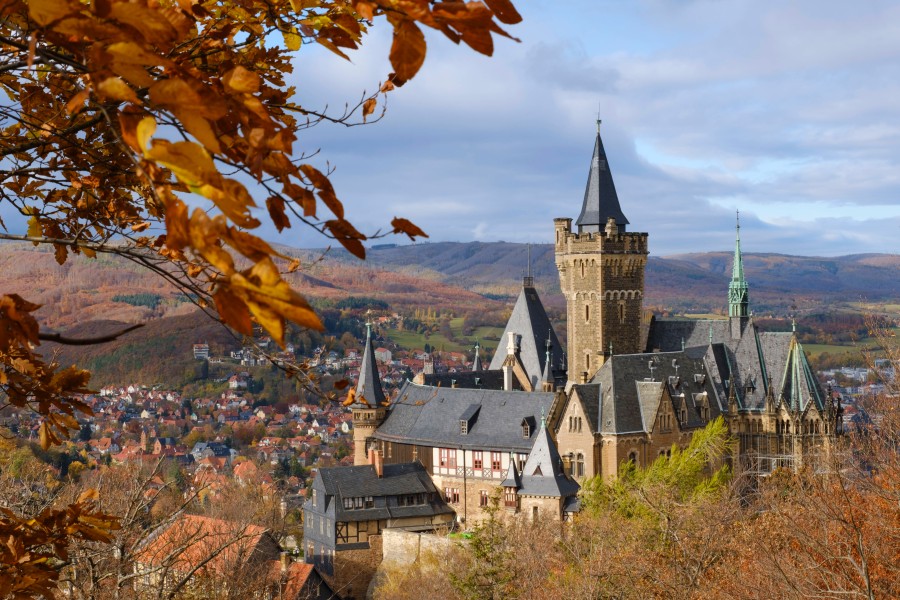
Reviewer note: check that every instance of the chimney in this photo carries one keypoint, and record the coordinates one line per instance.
(584, 377)
(372, 452)
(285, 561)
(379, 464)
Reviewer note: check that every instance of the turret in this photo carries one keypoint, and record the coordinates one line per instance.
(370, 405)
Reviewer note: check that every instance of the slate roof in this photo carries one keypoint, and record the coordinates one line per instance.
(755, 362)
(530, 323)
(429, 416)
(622, 398)
(542, 474)
(369, 384)
(362, 481)
(492, 380)
(600, 198)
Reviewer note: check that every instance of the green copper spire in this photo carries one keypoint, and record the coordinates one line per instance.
(738, 297)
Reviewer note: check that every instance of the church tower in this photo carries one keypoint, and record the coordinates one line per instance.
(738, 290)
(369, 406)
(601, 273)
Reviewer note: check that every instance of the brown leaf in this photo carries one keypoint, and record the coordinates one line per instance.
(348, 236)
(275, 205)
(504, 11)
(369, 107)
(114, 88)
(76, 102)
(233, 311)
(402, 225)
(407, 51)
(45, 12)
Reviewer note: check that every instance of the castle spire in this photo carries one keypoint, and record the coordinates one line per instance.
(738, 297)
(600, 199)
(476, 364)
(368, 388)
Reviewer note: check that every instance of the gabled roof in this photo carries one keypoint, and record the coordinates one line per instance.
(624, 395)
(530, 323)
(600, 199)
(512, 475)
(369, 384)
(429, 416)
(542, 474)
(362, 481)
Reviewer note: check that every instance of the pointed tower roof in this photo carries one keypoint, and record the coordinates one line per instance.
(530, 322)
(738, 296)
(369, 384)
(476, 364)
(600, 199)
(542, 474)
(512, 474)
(547, 376)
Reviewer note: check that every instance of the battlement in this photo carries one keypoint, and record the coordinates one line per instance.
(610, 241)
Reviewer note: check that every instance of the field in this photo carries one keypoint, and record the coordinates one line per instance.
(411, 340)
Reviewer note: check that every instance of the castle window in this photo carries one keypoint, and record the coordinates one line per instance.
(314, 498)
(509, 496)
(477, 459)
(463, 427)
(587, 312)
(526, 430)
(621, 311)
(632, 457)
(579, 465)
(483, 498)
(587, 362)
(582, 269)
(447, 458)
(496, 461)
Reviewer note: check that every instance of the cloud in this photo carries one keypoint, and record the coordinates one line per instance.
(786, 111)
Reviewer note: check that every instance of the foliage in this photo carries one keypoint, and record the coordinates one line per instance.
(491, 573)
(143, 299)
(122, 114)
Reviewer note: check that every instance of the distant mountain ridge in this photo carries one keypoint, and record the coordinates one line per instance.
(459, 276)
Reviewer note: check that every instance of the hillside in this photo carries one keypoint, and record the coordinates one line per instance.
(89, 297)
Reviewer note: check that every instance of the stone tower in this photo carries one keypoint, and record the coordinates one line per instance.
(601, 273)
(370, 405)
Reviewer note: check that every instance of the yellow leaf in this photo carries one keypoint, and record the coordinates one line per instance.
(76, 102)
(145, 130)
(240, 80)
(200, 128)
(45, 12)
(189, 161)
(292, 39)
(34, 228)
(114, 88)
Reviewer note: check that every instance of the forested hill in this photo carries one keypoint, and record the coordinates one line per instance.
(684, 283)
(459, 277)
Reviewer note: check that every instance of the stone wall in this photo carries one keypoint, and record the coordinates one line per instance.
(354, 570)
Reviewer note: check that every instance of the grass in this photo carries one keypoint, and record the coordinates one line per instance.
(410, 340)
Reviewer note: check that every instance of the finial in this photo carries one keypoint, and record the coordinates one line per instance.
(368, 329)
(710, 334)
(543, 418)
(682, 344)
(598, 118)
(794, 325)
(610, 348)
(738, 219)
(529, 259)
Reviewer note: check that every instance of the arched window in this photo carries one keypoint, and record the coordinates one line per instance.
(579, 465)
(621, 311)
(632, 457)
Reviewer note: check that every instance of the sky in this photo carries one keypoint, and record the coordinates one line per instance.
(785, 111)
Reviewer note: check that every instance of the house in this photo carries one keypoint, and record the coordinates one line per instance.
(207, 555)
(348, 509)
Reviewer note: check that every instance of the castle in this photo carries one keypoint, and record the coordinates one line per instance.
(537, 420)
